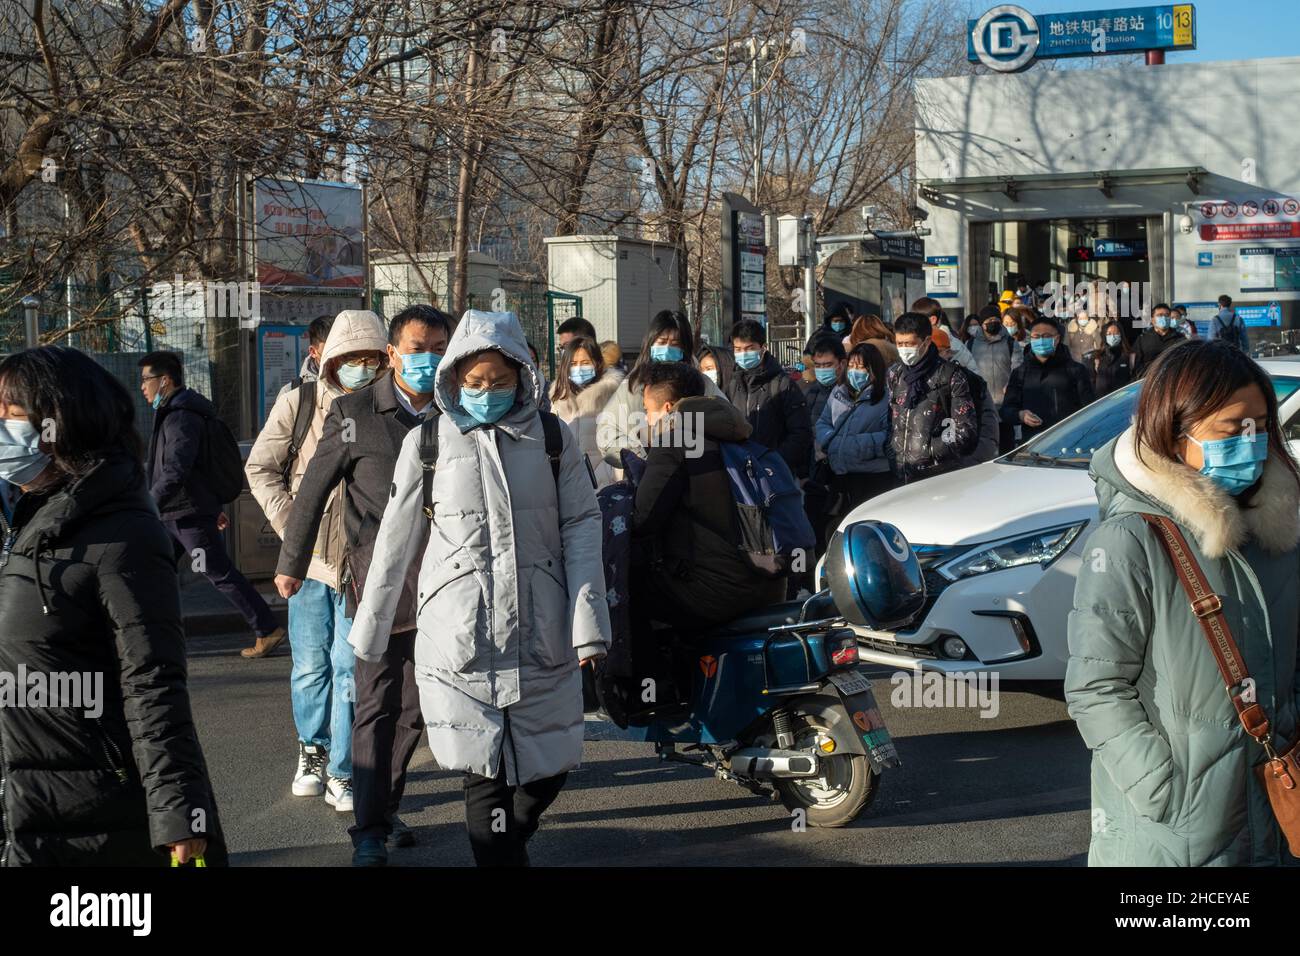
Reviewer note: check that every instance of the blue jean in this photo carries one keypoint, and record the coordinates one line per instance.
(321, 680)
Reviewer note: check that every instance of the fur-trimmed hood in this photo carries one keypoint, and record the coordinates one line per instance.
(1154, 484)
(589, 400)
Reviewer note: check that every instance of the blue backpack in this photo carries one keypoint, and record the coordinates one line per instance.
(774, 528)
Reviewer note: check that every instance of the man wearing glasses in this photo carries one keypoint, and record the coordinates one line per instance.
(321, 683)
(186, 504)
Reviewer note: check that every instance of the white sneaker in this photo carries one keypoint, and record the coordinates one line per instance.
(309, 781)
(338, 794)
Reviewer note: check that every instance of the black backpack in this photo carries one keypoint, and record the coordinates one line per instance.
(429, 455)
(220, 465)
(301, 425)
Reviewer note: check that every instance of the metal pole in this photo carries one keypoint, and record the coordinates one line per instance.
(756, 106)
(810, 281)
(1155, 57)
(31, 321)
(67, 276)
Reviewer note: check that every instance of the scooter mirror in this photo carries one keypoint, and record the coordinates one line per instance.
(874, 576)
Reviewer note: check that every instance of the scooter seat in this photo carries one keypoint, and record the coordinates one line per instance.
(759, 619)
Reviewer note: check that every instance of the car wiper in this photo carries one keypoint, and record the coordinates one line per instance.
(1038, 458)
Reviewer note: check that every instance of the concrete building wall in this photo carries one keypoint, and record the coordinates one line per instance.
(1238, 120)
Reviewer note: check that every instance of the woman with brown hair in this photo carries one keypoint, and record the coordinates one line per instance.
(1204, 472)
(869, 329)
(582, 386)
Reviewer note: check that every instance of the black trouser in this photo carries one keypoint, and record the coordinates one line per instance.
(501, 818)
(386, 727)
(199, 536)
(849, 491)
(1006, 437)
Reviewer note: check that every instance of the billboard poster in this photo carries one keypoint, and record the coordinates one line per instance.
(308, 234)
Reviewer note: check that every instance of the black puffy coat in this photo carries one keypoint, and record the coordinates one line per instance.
(685, 515)
(775, 408)
(1052, 390)
(90, 586)
(1114, 370)
(941, 431)
(1149, 347)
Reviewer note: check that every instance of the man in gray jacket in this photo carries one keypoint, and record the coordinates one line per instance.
(511, 585)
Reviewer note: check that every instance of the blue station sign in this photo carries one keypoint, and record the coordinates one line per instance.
(1009, 38)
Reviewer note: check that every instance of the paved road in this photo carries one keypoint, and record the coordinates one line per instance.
(1012, 789)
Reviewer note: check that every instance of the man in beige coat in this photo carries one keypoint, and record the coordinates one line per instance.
(321, 680)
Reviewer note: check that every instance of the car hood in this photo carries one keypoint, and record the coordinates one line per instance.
(984, 503)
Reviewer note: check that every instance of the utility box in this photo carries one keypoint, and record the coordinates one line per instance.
(252, 543)
(402, 274)
(622, 282)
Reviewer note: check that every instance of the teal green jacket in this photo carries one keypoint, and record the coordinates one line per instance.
(1173, 782)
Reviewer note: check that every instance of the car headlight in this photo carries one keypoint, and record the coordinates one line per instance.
(1039, 547)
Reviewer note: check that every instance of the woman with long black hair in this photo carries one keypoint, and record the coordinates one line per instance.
(622, 423)
(1202, 476)
(852, 436)
(89, 594)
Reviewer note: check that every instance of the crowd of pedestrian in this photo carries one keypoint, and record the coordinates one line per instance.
(441, 549)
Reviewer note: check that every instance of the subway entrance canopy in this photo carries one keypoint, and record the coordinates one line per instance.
(1180, 177)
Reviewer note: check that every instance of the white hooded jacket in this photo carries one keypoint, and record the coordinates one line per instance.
(511, 589)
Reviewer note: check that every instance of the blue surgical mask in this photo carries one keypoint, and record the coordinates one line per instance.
(21, 458)
(353, 377)
(826, 376)
(582, 374)
(1235, 463)
(1163, 322)
(749, 359)
(666, 353)
(1112, 340)
(1043, 347)
(486, 405)
(839, 326)
(858, 378)
(157, 399)
(418, 370)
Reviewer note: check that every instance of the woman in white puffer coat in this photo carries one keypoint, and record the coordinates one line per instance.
(512, 588)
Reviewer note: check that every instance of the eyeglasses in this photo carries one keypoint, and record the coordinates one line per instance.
(370, 362)
(1039, 338)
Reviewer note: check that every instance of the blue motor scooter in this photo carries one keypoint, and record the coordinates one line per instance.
(774, 700)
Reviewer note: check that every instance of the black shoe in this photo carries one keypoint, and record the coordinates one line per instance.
(370, 853)
(401, 834)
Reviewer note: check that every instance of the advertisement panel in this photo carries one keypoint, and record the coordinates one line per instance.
(308, 234)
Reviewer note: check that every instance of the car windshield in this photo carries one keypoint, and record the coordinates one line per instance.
(1070, 443)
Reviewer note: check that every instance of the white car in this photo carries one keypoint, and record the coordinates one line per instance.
(1000, 544)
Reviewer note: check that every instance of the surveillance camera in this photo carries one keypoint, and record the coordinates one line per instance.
(868, 213)
(919, 214)
(1185, 223)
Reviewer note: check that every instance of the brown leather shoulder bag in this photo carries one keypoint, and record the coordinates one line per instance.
(1279, 774)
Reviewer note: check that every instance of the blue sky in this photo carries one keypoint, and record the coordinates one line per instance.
(1225, 29)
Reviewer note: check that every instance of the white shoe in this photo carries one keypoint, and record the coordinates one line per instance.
(309, 781)
(338, 794)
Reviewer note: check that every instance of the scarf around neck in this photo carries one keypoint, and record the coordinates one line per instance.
(915, 376)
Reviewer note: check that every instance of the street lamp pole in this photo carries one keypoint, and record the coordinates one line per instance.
(31, 322)
(756, 51)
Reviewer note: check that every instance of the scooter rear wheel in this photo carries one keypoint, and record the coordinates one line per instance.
(836, 798)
